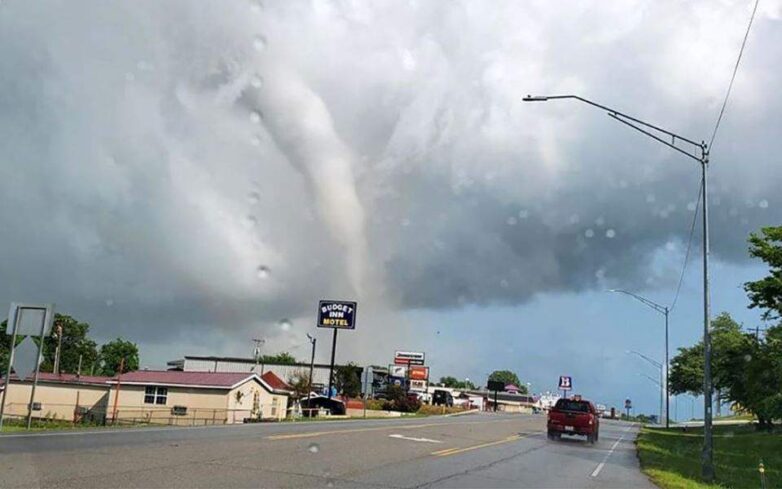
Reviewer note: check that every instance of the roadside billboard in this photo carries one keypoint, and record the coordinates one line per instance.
(397, 370)
(565, 382)
(337, 314)
(409, 358)
(419, 372)
(418, 385)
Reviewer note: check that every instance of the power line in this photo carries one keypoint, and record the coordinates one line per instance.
(689, 246)
(733, 77)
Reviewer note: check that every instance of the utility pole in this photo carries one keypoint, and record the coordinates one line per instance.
(313, 340)
(259, 342)
(116, 394)
(56, 368)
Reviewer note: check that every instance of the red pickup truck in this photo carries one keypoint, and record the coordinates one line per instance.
(573, 417)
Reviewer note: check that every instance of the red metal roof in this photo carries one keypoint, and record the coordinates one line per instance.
(220, 380)
(65, 378)
(275, 382)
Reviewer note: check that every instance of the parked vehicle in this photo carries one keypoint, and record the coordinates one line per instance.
(442, 398)
(574, 417)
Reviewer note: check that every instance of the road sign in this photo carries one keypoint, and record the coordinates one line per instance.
(418, 372)
(397, 370)
(409, 358)
(628, 404)
(30, 320)
(25, 357)
(496, 385)
(565, 383)
(418, 385)
(337, 314)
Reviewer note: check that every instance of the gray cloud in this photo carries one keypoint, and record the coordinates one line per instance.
(155, 157)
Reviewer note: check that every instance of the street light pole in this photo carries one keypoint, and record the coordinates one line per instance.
(661, 382)
(707, 455)
(664, 310)
(660, 385)
(313, 340)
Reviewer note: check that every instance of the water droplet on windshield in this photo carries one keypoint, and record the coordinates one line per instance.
(130, 77)
(252, 220)
(405, 222)
(263, 271)
(504, 284)
(330, 484)
(763, 204)
(256, 7)
(511, 221)
(256, 81)
(691, 206)
(600, 221)
(650, 199)
(313, 448)
(285, 324)
(109, 302)
(523, 214)
(575, 219)
(255, 117)
(254, 197)
(589, 233)
(747, 358)
(610, 233)
(259, 43)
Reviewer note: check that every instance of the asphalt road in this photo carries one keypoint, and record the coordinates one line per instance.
(480, 450)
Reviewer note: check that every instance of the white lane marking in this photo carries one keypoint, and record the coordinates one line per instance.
(424, 440)
(600, 466)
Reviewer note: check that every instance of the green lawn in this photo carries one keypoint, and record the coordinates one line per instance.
(671, 458)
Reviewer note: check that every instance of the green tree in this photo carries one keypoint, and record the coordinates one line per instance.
(347, 379)
(686, 374)
(766, 293)
(112, 353)
(74, 343)
(284, 358)
(299, 382)
(455, 383)
(508, 377)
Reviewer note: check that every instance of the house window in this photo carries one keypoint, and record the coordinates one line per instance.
(275, 403)
(155, 395)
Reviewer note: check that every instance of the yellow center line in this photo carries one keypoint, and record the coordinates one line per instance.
(454, 451)
(312, 434)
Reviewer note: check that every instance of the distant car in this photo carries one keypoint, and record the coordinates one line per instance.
(573, 417)
(442, 398)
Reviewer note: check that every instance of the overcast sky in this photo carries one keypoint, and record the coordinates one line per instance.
(190, 175)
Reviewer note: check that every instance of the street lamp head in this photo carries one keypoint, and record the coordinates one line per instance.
(535, 98)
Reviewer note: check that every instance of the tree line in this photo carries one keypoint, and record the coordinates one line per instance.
(746, 366)
(76, 344)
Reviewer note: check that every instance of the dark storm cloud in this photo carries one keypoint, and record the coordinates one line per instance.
(212, 169)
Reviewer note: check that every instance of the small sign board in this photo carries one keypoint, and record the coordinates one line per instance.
(628, 404)
(419, 372)
(496, 385)
(337, 314)
(409, 358)
(418, 385)
(565, 383)
(30, 319)
(397, 370)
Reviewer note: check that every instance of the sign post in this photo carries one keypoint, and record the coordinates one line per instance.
(565, 384)
(26, 320)
(336, 315)
(496, 386)
(628, 407)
